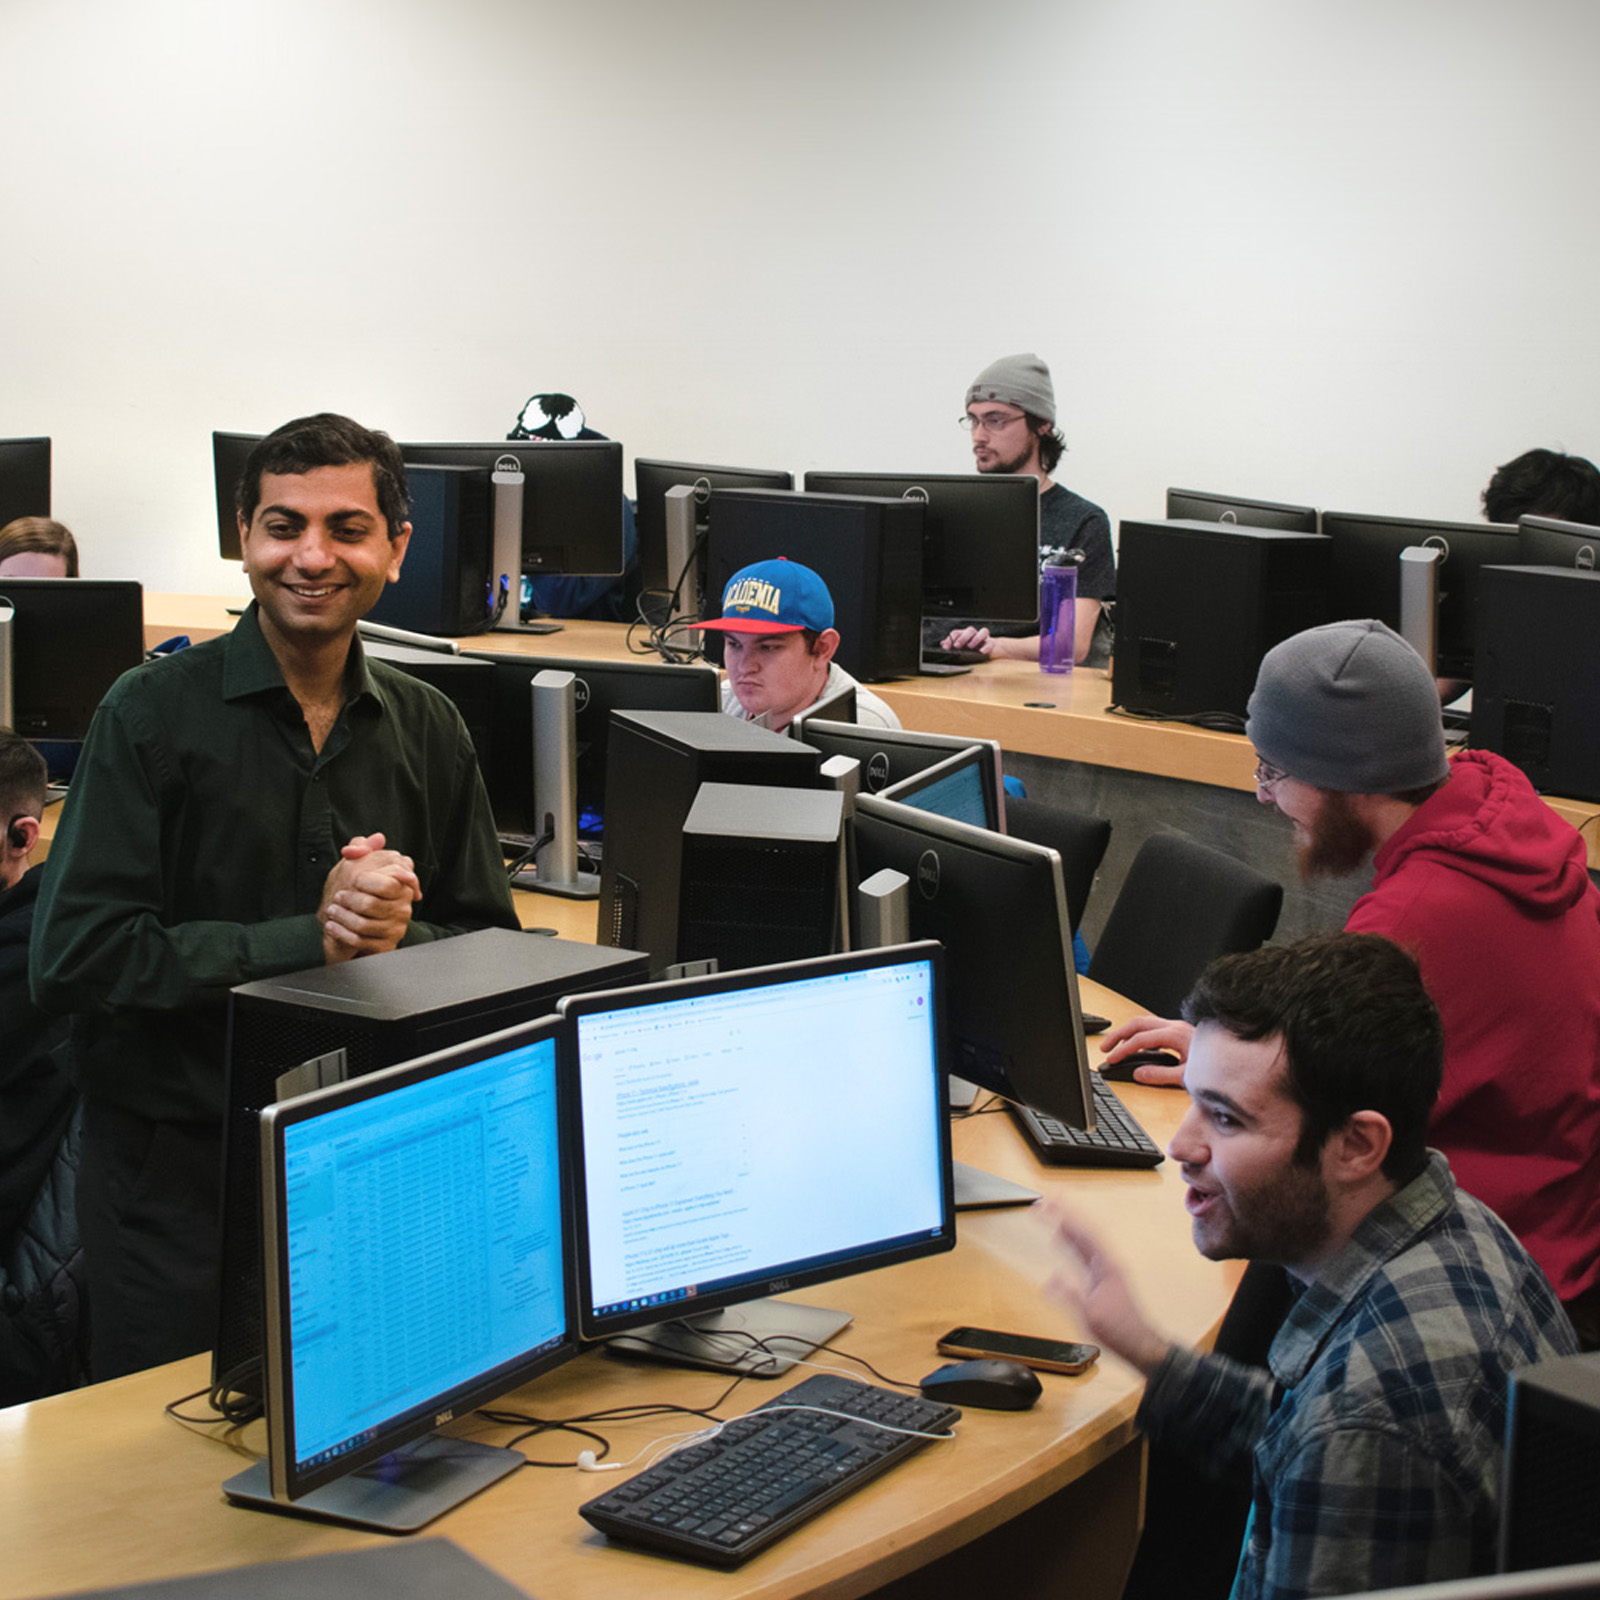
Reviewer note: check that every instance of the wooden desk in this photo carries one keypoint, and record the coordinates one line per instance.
(1027, 711)
(99, 1486)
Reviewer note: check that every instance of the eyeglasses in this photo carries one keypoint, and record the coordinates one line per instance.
(1269, 776)
(991, 421)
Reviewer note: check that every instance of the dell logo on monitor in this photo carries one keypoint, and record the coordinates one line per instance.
(928, 874)
(877, 770)
(580, 695)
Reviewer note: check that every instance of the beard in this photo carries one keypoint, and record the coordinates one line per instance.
(1337, 840)
(1284, 1219)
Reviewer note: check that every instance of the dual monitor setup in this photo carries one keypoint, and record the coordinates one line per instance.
(1203, 596)
(442, 1230)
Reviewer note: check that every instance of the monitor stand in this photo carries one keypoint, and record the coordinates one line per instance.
(397, 1493)
(722, 1341)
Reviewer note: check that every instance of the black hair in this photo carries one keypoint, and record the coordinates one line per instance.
(1544, 483)
(1052, 442)
(1359, 1032)
(23, 777)
(327, 440)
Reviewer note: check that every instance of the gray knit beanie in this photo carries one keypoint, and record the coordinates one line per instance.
(1348, 706)
(1017, 381)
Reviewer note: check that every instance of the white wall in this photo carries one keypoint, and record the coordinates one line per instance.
(1334, 250)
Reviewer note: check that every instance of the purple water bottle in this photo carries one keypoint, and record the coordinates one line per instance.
(1058, 601)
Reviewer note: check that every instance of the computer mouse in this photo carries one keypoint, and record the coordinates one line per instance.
(988, 1384)
(1122, 1071)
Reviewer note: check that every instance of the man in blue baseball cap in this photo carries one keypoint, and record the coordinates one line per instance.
(777, 617)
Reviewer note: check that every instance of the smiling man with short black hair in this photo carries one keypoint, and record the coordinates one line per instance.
(263, 802)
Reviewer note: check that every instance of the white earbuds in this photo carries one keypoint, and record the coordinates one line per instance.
(588, 1463)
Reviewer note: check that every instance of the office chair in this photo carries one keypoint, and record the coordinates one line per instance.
(1079, 840)
(1181, 905)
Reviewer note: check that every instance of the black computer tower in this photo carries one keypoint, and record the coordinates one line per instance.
(656, 762)
(1552, 1482)
(379, 1010)
(1200, 603)
(1536, 677)
(444, 580)
(868, 551)
(761, 872)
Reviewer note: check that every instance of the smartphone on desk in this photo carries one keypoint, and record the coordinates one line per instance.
(1047, 1355)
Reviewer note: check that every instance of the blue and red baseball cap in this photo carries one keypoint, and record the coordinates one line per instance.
(774, 597)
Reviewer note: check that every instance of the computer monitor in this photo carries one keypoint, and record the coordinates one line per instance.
(327, 1024)
(414, 1226)
(24, 479)
(980, 551)
(1366, 573)
(890, 755)
(867, 550)
(71, 639)
(565, 495)
(739, 1136)
(1000, 910)
(840, 706)
(652, 479)
(601, 687)
(1197, 505)
(960, 788)
(1549, 542)
(229, 452)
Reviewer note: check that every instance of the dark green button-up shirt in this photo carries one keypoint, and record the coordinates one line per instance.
(195, 843)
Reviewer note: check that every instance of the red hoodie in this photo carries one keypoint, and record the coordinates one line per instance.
(1488, 888)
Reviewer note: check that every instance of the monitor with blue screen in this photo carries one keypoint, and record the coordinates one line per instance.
(959, 788)
(741, 1135)
(416, 1267)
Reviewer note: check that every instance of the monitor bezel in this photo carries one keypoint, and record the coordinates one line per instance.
(864, 743)
(1005, 584)
(230, 450)
(1279, 514)
(788, 1276)
(109, 612)
(26, 461)
(651, 480)
(508, 744)
(975, 756)
(1539, 538)
(602, 553)
(1457, 617)
(1043, 1084)
(290, 1480)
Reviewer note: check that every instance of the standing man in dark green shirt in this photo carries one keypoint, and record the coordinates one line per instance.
(258, 804)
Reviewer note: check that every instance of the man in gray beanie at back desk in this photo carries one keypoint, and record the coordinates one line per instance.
(1011, 414)
(1488, 888)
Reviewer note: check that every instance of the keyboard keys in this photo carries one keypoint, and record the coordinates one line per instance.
(723, 1499)
(1117, 1141)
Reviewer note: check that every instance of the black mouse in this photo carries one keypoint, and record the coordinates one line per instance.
(988, 1384)
(1122, 1071)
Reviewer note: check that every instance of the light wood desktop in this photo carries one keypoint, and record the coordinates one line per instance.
(100, 1486)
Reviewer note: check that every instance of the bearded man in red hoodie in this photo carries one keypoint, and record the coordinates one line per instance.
(1488, 889)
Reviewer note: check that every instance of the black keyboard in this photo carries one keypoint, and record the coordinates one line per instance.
(937, 656)
(721, 1501)
(1117, 1141)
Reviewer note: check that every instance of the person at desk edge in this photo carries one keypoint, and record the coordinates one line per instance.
(777, 619)
(40, 1324)
(1489, 889)
(1374, 1444)
(261, 803)
(1011, 414)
